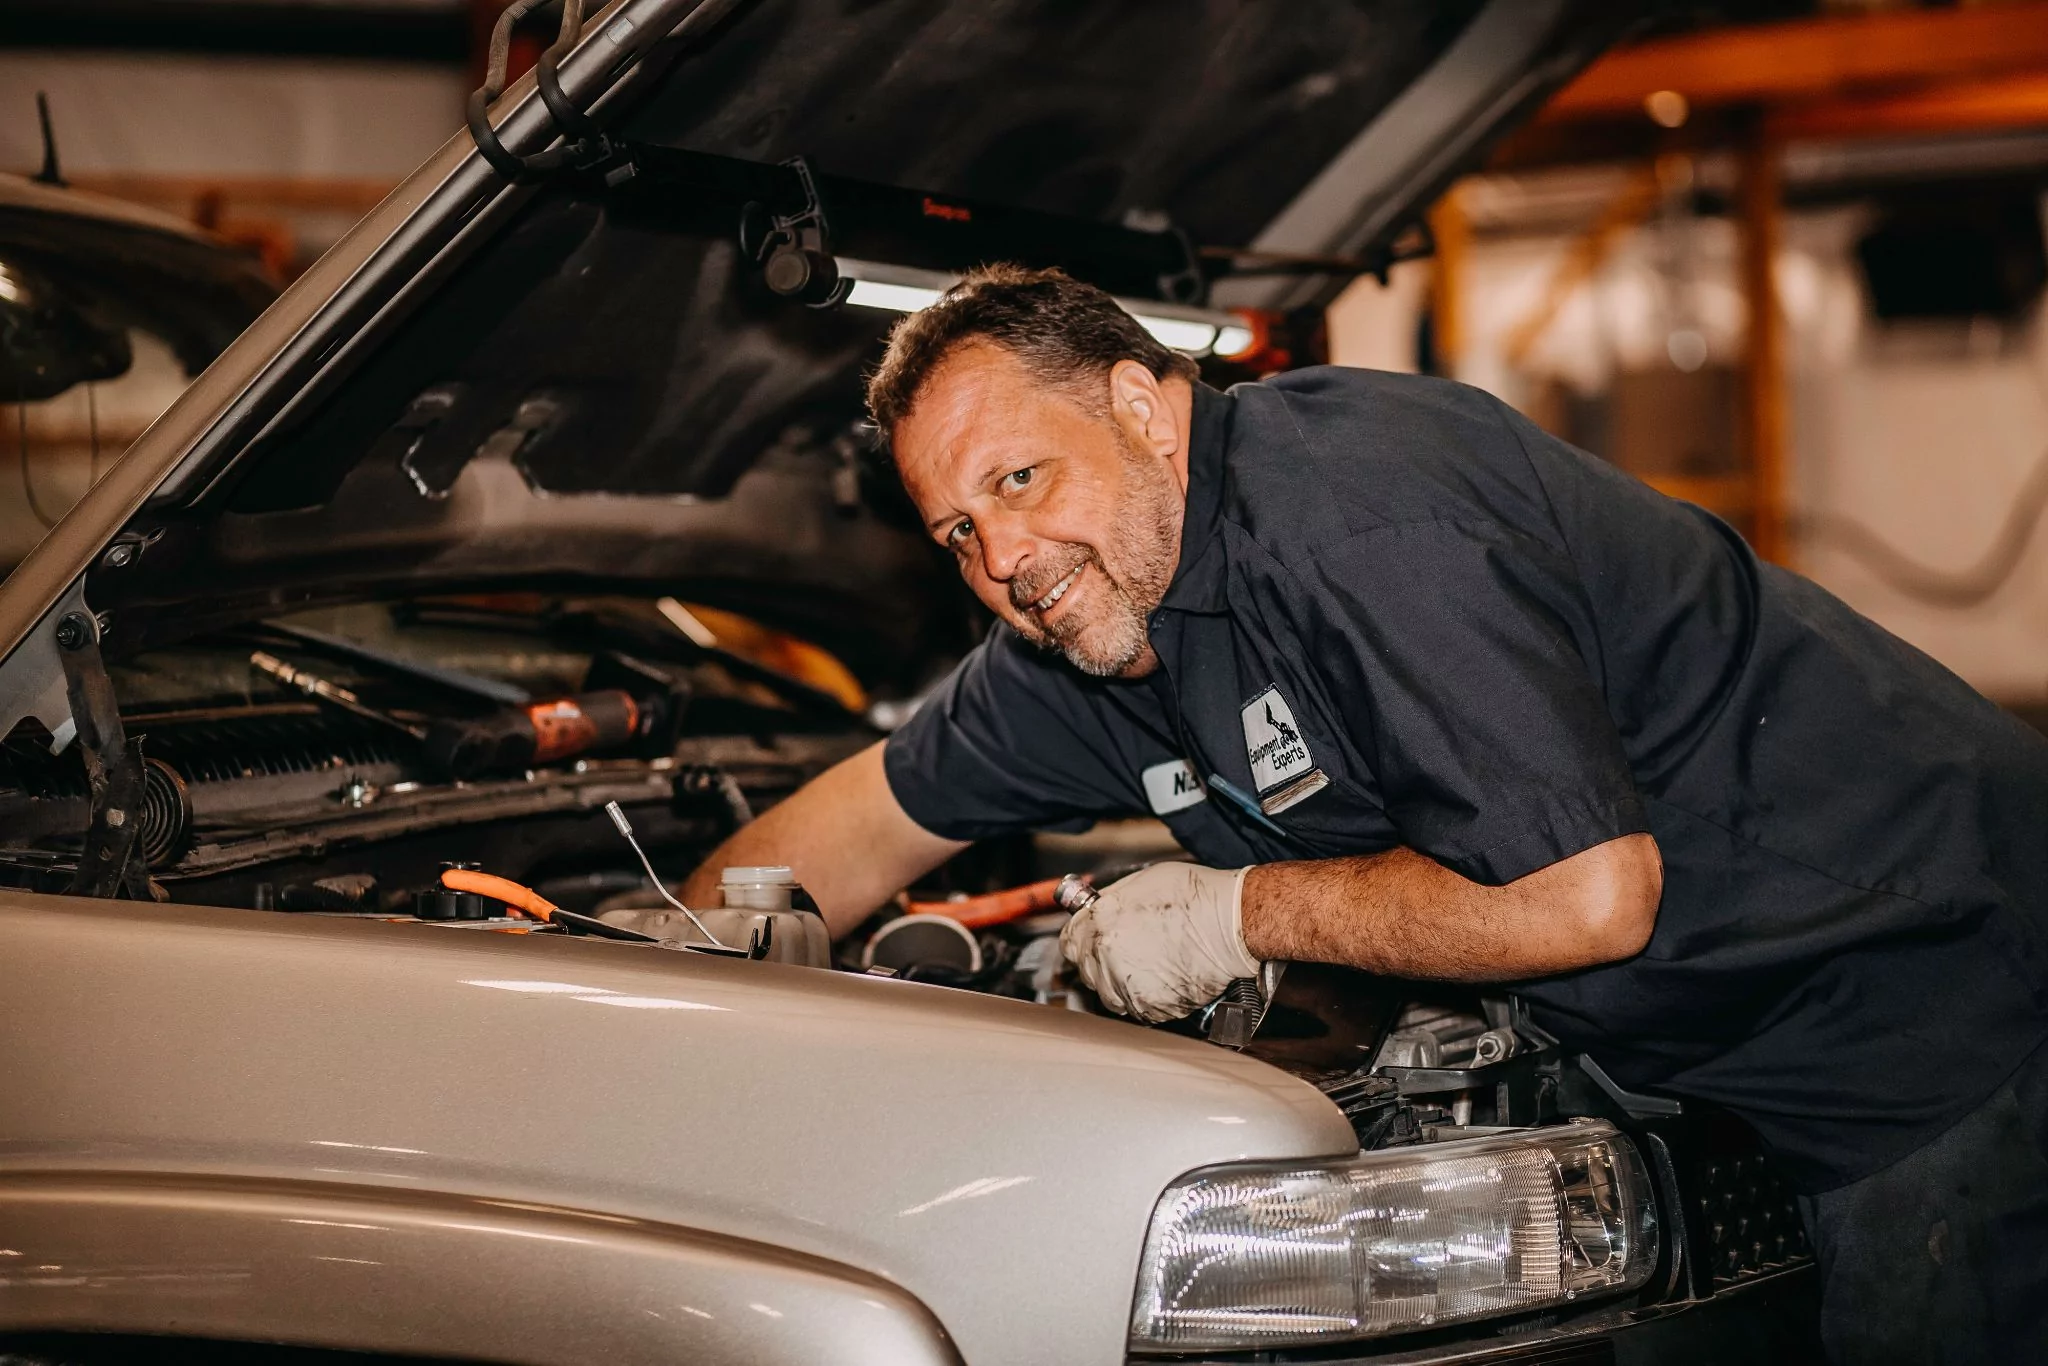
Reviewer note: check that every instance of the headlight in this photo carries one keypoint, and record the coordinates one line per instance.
(1278, 1254)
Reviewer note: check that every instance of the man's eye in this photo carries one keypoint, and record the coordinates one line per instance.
(1017, 479)
(959, 534)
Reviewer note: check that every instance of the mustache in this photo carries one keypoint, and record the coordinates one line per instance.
(1029, 587)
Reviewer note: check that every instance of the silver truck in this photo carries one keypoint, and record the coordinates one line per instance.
(545, 494)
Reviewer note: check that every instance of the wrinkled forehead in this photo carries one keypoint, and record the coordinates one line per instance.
(981, 409)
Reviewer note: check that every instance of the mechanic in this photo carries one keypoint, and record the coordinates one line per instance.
(1431, 693)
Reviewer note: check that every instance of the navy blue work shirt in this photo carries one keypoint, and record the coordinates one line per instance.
(1404, 615)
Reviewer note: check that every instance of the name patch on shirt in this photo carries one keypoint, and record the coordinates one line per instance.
(1272, 742)
(1172, 786)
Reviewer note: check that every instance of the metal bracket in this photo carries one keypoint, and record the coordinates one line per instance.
(1187, 284)
(108, 863)
(794, 250)
(1633, 1103)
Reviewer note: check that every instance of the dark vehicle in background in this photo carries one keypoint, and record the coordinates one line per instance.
(540, 512)
(106, 311)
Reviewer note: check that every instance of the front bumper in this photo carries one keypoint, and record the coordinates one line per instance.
(1767, 1319)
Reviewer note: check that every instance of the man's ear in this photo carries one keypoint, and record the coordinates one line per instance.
(1138, 402)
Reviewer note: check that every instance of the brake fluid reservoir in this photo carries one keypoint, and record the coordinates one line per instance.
(758, 889)
(769, 901)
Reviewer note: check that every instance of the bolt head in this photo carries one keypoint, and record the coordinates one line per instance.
(74, 631)
(120, 555)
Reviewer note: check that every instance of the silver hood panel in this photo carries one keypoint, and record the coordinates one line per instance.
(996, 1160)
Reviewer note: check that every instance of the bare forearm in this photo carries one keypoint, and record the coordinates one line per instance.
(1402, 914)
(842, 834)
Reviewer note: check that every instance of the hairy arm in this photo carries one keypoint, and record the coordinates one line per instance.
(843, 835)
(1405, 915)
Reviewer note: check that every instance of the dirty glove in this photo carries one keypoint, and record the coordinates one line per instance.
(1164, 941)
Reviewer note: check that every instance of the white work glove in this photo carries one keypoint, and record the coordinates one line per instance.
(1163, 942)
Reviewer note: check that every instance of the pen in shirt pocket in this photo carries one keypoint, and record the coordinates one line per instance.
(1248, 804)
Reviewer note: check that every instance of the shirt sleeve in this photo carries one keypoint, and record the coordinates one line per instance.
(1460, 658)
(1008, 742)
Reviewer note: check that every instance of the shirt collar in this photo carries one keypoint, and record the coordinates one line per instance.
(1198, 583)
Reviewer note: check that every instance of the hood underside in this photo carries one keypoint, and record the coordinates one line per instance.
(571, 386)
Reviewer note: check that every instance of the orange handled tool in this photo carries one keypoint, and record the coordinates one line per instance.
(500, 889)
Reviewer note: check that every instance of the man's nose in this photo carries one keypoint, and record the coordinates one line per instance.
(1005, 547)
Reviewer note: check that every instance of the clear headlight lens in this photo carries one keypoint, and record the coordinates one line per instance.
(1272, 1254)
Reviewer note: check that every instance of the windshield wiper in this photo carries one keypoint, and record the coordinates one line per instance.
(455, 680)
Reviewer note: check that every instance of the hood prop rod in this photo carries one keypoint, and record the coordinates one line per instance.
(108, 862)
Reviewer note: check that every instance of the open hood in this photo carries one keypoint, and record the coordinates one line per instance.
(586, 380)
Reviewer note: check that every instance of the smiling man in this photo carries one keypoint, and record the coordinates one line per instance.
(1427, 692)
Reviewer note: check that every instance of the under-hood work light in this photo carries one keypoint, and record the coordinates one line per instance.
(901, 289)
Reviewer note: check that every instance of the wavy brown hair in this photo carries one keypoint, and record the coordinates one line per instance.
(1065, 332)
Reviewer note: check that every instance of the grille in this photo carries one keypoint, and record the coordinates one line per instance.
(1748, 1214)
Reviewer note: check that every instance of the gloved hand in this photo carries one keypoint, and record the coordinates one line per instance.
(1164, 941)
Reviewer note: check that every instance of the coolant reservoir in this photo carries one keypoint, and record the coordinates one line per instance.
(757, 901)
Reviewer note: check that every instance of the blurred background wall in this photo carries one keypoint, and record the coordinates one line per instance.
(1872, 407)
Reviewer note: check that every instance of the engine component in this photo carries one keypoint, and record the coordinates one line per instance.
(1379, 1115)
(537, 733)
(327, 691)
(769, 888)
(763, 905)
(507, 740)
(696, 780)
(786, 935)
(1233, 1017)
(923, 941)
(454, 901)
(166, 814)
(1434, 1036)
(346, 892)
(1000, 908)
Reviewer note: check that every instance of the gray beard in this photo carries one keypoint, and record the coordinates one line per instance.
(1110, 642)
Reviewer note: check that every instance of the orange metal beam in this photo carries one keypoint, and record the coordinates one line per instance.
(1985, 105)
(1811, 59)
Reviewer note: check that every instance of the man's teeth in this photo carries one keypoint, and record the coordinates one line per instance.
(1059, 590)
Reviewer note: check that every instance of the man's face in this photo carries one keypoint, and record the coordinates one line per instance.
(1064, 515)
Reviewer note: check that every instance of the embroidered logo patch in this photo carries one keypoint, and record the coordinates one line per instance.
(1172, 787)
(1272, 743)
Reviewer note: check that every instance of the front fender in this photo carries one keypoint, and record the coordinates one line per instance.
(429, 1274)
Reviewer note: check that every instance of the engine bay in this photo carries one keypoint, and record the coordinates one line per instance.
(358, 760)
(525, 765)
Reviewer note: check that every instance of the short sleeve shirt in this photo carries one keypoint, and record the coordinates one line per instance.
(1404, 616)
